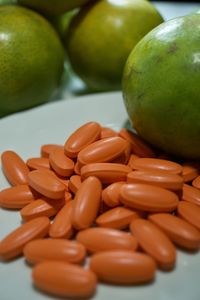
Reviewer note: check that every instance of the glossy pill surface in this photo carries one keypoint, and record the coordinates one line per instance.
(154, 242)
(148, 197)
(102, 239)
(64, 279)
(123, 267)
(74, 183)
(190, 212)
(54, 249)
(46, 149)
(60, 163)
(36, 163)
(46, 183)
(14, 168)
(12, 245)
(106, 172)
(179, 231)
(111, 194)
(191, 194)
(82, 137)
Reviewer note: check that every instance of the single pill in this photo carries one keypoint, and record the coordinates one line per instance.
(16, 197)
(40, 207)
(14, 168)
(147, 197)
(111, 194)
(179, 231)
(191, 194)
(60, 163)
(47, 149)
(74, 183)
(36, 163)
(64, 280)
(123, 267)
(86, 203)
(196, 182)
(98, 239)
(46, 183)
(54, 249)
(154, 242)
(155, 177)
(139, 147)
(107, 132)
(12, 245)
(104, 150)
(106, 172)
(190, 171)
(82, 137)
(131, 160)
(190, 212)
(62, 225)
(117, 218)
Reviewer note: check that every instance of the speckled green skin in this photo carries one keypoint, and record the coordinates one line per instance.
(52, 7)
(161, 87)
(103, 34)
(31, 59)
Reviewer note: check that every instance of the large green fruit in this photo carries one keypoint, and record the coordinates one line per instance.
(161, 87)
(31, 59)
(102, 35)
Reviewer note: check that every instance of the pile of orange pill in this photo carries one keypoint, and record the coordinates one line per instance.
(106, 196)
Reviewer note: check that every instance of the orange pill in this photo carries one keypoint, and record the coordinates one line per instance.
(196, 182)
(36, 163)
(190, 171)
(106, 172)
(179, 231)
(117, 218)
(107, 132)
(147, 197)
(82, 137)
(46, 183)
(86, 203)
(190, 212)
(157, 164)
(155, 177)
(74, 183)
(154, 242)
(123, 267)
(111, 194)
(68, 196)
(16, 197)
(98, 239)
(64, 280)
(62, 225)
(77, 168)
(14, 168)
(139, 147)
(104, 150)
(40, 207)
(54, 249)
(191, 194)
(131, 159)
(60, 163)
(47, 149)
(12, 245)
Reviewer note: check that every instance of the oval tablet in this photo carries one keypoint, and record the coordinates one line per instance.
(36, 163)
(98, 239)
(191, 194)
(107, 132)
(86, 203)
(14, 168)
(82, 137)
(47, 148)
(190, 171)
(64, 280)
(12, 245)
(155, 177)
(157, 164)
(196, 182)
(179, 231)
(111, 194)
(16, 197)
(123, 267)
(74, 183)
(147, 197)
(154, 242)
(54, 249)
(190, 212)
(106, 172)
(46, 183)
(60, 163)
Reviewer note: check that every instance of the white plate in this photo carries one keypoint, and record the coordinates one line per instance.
(52, 123)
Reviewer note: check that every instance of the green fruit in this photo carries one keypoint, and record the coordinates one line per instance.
(102, 35)
(52, 7)
(161, 87)
(31, 59)
(7, 2)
